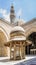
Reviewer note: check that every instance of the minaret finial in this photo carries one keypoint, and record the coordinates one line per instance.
(12, 14)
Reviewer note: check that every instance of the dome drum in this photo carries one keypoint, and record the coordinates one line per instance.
(17, 34)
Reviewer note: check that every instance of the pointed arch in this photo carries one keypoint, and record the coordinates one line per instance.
(4, 31)
(30, 31)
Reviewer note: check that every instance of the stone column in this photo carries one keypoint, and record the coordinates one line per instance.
(10, 50)
(18, 50)
(14, 50)
(23, 50)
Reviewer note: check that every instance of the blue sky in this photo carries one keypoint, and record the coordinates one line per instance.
(26, 9)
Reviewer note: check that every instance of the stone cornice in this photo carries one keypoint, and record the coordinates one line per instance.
(7, 22)
(29, 22)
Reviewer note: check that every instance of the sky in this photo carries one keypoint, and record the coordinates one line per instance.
(26, 9)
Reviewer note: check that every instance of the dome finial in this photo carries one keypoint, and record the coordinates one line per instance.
(19, 17)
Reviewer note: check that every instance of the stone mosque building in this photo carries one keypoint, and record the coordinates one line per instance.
(17, 39)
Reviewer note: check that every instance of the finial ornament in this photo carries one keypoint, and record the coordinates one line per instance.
(19, 17)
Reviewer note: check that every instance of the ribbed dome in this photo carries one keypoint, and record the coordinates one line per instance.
(17, 33)
(18, 28)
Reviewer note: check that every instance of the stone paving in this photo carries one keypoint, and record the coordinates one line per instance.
(29, 60)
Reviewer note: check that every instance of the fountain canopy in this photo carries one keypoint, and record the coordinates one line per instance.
(17, 33)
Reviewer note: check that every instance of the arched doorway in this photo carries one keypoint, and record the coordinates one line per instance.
(3, 49)
(31, 37)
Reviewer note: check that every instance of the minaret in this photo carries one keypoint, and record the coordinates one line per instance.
(12, 14)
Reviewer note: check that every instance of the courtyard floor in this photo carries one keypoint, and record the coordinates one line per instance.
(29, 60)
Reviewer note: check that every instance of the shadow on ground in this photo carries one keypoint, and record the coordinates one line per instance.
(5, 60)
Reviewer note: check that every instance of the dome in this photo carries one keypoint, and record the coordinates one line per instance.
(17, 28)
(17, 33)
